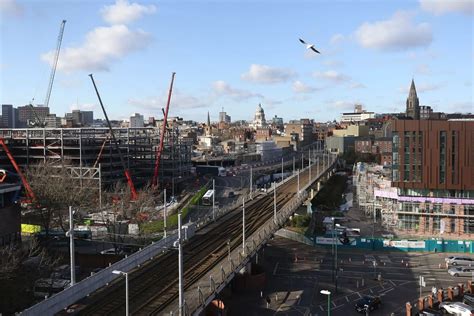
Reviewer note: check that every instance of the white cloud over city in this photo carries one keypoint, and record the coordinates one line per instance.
(267, 75)
(440, 7)
(400, 32)
(221, 88)
(105, 45)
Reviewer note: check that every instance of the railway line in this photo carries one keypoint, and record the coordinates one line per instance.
(154, 286)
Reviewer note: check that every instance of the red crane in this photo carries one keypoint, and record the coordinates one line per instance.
(162, 136)
(29, 192)
(122, 161)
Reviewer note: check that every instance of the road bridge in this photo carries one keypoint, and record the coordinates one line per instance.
(218, 251)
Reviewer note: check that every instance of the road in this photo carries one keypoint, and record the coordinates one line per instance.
(296, 273)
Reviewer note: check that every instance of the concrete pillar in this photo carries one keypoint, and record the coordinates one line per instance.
(450, 293)
(421, 303)
(440, 295)
(430, 301)
(408, 309)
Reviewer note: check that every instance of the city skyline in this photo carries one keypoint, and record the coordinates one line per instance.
(237, 55)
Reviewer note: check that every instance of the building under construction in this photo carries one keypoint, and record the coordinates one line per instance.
(92, 152)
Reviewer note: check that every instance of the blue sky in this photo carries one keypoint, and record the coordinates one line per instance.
(236, 54)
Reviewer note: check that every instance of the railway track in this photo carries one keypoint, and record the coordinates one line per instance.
(154, 286)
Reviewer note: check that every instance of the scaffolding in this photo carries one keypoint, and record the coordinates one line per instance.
(367, 179)
(86, 148)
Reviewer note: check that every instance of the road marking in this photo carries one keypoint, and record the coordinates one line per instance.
(334, 304)
(275, 269)
(372, 292)
(322, 309)
(393, 283)
(347, 299)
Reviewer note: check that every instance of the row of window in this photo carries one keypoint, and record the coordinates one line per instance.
(413, 222)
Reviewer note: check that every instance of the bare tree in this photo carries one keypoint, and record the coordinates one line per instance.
(55, 191)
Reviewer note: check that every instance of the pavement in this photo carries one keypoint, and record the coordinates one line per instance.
(296, 273)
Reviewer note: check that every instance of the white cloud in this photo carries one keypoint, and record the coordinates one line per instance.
(10, 7)
(337, 38)
(102, 46)
(123, 12)
(179, 101)
(224, 89)
(267, 75)
(439, 7)
(397, 33)
(331, 75)
(300, 87)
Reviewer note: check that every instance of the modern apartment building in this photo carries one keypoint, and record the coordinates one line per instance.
(433, 171)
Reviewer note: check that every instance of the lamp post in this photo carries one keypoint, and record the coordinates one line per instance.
(214, 200)
(298, 177)
(328, 293)
(282, 178)
(180, 269)
(118, 272)
(70, 234)
(251, 180)
(293, 165)
(243, 226)
(274, 204)
(164, 213)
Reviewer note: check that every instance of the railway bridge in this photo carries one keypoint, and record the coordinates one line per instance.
(217, 251)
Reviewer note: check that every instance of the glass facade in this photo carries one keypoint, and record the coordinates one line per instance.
(395, 158)
(442, 157)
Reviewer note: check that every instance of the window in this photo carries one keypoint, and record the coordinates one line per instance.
(395, 159)
(436, 224)
(442, 157)
(408, 221)
(453, 225)
(453, 157)
(406, 156)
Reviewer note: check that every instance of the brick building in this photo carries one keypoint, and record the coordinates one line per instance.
(433, 171)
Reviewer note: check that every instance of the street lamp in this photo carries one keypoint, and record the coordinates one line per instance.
(70, 234)
(328, 293)
(118, 272)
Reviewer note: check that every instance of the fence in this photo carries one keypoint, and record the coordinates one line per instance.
(62, 300)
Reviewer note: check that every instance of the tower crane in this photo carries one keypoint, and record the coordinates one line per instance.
(55, 63)
(162, 136)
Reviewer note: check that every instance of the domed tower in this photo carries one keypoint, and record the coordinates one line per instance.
(259, 119)
(413, 104)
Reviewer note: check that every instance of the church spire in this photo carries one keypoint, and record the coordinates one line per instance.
(413, 103)
(412, 93)
(208, 119)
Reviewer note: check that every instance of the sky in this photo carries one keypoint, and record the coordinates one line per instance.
(237, 54)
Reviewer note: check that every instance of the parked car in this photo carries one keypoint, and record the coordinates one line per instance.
(461, 271)
(367, 302)
(468, 299)
(430, 312)
(460, 261)
(112, 251)
(457, 308)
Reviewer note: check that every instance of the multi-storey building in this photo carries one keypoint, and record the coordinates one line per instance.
(433, 169)
(29, 113)
(303, 128)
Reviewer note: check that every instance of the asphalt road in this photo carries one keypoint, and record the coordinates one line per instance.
(296, 273)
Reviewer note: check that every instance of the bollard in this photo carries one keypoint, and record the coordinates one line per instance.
(440, 295)
(363, 282)
(402, 260)
(470, 286)
(406, 265)
(350, 259)
(461, 290)
(439, 266)
(450, 293)
(430, 301)
(408, 309)
(357, 286)
(421, 303)
(384, 263)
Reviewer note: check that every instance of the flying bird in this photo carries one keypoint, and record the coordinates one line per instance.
(310, 46)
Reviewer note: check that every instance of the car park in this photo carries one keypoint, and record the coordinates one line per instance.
(457, 308)
(461, 271)
(367, 303)
(460, 261)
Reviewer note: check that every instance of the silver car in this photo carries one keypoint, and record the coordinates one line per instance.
(460, 261)
(461, 271)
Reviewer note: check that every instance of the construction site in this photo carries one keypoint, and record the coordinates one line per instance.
(92, 154)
